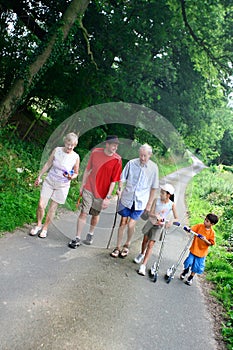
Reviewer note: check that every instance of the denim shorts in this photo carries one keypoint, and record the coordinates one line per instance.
(197, 264)
(126, 212)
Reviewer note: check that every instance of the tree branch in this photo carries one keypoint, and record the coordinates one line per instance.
(86, 37)
(200, 41)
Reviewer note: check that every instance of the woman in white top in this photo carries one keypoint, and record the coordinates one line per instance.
(63, 166)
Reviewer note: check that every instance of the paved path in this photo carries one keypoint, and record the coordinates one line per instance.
(55, 298)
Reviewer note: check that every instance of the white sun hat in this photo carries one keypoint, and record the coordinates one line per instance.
(168, 188)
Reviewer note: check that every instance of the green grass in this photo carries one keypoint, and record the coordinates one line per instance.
(212, 191)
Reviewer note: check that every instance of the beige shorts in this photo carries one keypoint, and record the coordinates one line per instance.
(152, 231)
(90, 204)
(57, 191)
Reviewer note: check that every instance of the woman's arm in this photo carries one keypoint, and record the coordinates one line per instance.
(45, 168)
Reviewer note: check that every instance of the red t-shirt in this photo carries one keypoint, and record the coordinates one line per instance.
(104, 170)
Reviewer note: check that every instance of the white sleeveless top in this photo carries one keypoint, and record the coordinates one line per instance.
(62, 162)
(162, 210)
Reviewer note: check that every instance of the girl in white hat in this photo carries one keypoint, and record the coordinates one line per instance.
(161, 208)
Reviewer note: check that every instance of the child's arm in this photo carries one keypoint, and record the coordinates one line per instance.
(174, 212)
(175, 216)
(205, 240)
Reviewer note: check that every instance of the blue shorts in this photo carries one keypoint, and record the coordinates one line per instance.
(132, 213)
(197, 264)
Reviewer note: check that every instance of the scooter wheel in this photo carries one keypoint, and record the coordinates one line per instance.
(168, 279)
(155, 277)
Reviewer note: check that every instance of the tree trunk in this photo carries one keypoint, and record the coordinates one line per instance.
(9, 104)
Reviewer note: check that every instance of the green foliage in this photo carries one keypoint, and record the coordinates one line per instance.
(211, 191)
(18, 197)
(145, 54)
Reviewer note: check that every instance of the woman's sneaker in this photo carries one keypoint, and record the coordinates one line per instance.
(75, 243)
(139, 258)
(35, 230)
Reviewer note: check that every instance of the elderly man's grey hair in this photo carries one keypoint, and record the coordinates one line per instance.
(146, 147)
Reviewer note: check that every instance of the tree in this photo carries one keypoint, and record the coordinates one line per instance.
(172, 56)
(74, 12)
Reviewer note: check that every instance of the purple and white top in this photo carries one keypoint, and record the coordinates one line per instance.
(62, 162)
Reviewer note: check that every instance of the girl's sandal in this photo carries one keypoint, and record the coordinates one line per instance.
(115, 253)
(43, 234)
(125, 251)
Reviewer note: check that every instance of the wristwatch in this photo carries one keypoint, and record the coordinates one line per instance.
(108, 196)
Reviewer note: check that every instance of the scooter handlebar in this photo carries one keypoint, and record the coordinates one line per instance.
(187, 229)
(176, 223)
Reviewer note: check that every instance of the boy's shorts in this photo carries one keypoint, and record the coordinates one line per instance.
(90, 204)
(197, 264)
(126, 212)
(57, 191)
(152, 231)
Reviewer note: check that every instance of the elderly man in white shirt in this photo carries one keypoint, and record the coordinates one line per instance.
(141, 179)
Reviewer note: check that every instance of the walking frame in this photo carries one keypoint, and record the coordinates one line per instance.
(114, 223)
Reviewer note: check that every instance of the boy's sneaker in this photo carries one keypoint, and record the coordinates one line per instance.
(89, 239)
(139, 258)
(182, 277)
(142, 270)
(189, 282)
(74, 243)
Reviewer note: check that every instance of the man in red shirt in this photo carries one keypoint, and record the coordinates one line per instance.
(102, 172)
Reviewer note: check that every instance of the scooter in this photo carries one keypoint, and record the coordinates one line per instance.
(172, 270)
(155, 267)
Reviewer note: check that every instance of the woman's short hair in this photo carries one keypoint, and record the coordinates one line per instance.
(71, 137)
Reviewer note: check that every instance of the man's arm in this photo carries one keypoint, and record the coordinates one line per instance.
(151, 198)
(106, 200)
(85, 176)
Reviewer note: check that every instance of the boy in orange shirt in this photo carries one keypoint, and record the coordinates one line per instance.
(199, 248)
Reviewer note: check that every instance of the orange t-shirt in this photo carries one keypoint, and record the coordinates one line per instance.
(199, 247)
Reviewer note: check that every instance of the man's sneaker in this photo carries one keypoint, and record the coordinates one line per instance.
(74, 243)
(189, 282)
(142, 270)
(182, 276)
(139, 258)
(89, 239)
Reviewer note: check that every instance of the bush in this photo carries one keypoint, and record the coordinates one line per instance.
(211, 191)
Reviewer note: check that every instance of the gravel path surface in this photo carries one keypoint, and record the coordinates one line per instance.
(53, 297)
